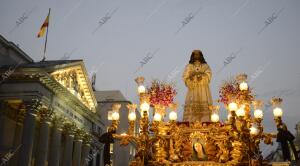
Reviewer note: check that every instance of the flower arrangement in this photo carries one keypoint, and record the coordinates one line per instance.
(227, 91)
(230, 91)
(161, 93)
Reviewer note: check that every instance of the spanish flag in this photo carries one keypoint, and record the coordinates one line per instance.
(44, 26)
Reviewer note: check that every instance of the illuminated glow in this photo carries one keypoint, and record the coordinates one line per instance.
(173, 115)
(277, 112)
(115, 116)
(258, 114)
(141, 89)
(85, 93)
(145, 106)
(157, 117)
(229, 116)
(132, 116)
(243, 86)
(215, 117)
(240, 112)
(253, 130)
(232, 106)
(123, 134)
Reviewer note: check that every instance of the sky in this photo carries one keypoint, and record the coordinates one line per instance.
(120, 40)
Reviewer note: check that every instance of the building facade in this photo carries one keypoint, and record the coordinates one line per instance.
(47, 111)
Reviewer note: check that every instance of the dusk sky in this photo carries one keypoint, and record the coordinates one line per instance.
(258, 37)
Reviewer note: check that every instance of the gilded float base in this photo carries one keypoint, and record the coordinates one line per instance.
(196, 112)
(209, 163)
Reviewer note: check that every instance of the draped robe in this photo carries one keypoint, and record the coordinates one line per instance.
(197, 77)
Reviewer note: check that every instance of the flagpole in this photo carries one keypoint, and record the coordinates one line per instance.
(45, 47)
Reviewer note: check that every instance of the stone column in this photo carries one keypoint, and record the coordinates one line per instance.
(7, 127)
(42, 146)
(55, 145)
(85, 149)
(94, 159)
(18, 135)
(7, 133)
(77, 147)
(27, 139)
(69, 130)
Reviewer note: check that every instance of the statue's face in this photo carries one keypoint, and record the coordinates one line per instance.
(197, 56)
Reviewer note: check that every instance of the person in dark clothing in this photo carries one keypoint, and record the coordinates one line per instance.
(107, 139)
(284, 144)
(285, 137)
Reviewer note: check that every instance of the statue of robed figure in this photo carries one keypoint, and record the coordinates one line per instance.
(197, 76)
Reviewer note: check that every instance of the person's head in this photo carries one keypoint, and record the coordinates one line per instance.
(197, 56)
(111, 130)
(282, 127)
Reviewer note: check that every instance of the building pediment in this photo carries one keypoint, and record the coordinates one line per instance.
(73, 76)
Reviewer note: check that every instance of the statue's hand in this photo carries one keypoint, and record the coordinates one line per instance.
(192, 75)
(202, 74)
(199, 77)
(196, 78)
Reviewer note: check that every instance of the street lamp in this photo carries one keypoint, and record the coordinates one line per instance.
(157, 117)
(115, 111)
(232, 106)
(140, 82)
(144, 107)
(215, 113)
(173, 115)
(131, 112)
(258, 114)
(243, 86)
(141, 89)
(241, 78)
(115, 116)
(253, 130)
(131, 117)
(277, 111)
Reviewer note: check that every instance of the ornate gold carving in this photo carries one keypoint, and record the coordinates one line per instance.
(79, 134)
(69, 127)
(58, 121)
(140, 80)
(45, 114)
(87, 138)
(176, 143)
(14, 110)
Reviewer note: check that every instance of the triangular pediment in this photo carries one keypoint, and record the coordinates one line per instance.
(73, 76)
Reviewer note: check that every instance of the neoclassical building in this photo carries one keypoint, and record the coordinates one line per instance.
(47, 111)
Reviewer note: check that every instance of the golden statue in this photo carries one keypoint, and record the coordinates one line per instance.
(197, 76)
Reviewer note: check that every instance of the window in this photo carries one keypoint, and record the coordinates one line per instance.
(109, 115)
(111, 148)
